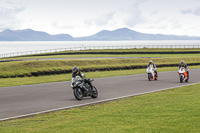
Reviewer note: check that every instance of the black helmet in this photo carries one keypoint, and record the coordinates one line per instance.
(75, 70)
(150, 62)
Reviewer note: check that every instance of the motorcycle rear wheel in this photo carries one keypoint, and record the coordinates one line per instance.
(156, 76)
(187, 78)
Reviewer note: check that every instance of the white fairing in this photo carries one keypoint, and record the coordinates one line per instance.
(76, 79)
(181, 70)
(150, 70)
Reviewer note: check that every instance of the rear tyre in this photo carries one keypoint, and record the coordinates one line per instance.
(156, 76)
(187, 78)
(94, 92)
(78, 94)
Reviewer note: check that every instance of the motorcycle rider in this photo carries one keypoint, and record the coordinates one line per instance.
(77, 72)
(183, 64)
(151, 64)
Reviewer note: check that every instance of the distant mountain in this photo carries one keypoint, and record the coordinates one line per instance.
(122, 34)
(127, 34)
(31, 35)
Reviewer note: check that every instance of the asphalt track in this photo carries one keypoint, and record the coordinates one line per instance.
(27, 100)
(72, 58)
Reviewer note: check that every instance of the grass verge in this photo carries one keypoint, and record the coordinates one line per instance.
(175, 110)
(16, 69)
(103, 56)
(106, 53)
(7, 82)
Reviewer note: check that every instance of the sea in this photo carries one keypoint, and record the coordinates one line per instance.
(23, 46)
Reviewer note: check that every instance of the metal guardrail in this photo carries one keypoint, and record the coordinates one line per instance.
(95, 48)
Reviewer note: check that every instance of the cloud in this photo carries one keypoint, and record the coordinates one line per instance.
(135, 14)
(127, 16)
(187, 11)
(8, 17)
(195, 11)
(61, 26)
(101, 20)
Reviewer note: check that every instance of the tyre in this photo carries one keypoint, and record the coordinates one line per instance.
(78, 94)
(94, 92)
(187, 78)
(181, 78)
(156, 76)
(149, 77)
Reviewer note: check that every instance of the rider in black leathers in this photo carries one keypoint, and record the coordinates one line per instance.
(77, 72)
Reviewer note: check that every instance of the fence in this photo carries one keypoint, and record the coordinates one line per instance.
(95, 48)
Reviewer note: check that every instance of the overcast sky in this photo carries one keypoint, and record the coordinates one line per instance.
(86, 17)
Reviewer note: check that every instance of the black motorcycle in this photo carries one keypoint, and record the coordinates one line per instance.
(84, 88)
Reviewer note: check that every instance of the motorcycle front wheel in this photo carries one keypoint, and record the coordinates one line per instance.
(94, 92)
(78, 93)
(149, 77)
(181, 78)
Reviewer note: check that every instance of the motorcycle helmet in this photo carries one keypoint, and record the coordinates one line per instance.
(182, 62)
(75, 70)
(150, 62)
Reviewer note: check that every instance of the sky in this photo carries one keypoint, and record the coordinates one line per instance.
(86, 17)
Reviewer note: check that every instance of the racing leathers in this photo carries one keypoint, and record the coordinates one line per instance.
(154, 66)
(186, 68)
(79, 73)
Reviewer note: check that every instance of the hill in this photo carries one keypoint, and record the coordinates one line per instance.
(123, 34)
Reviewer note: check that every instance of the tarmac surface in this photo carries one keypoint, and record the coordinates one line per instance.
(72, 58)
(21, 101)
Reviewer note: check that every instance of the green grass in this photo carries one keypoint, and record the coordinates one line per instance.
(6, 82)
(26, 67)
(138, 50)
(105, 55)
(132, 50)
(174, 111)
(109, 55)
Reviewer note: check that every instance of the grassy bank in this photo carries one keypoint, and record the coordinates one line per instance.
(106, 51)
(67, 77)
(175, 110)
(138, 50)
(104, 55)
(13, 69)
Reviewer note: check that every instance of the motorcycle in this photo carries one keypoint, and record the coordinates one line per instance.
(182, 72)
(151, 74)
(79, 87)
